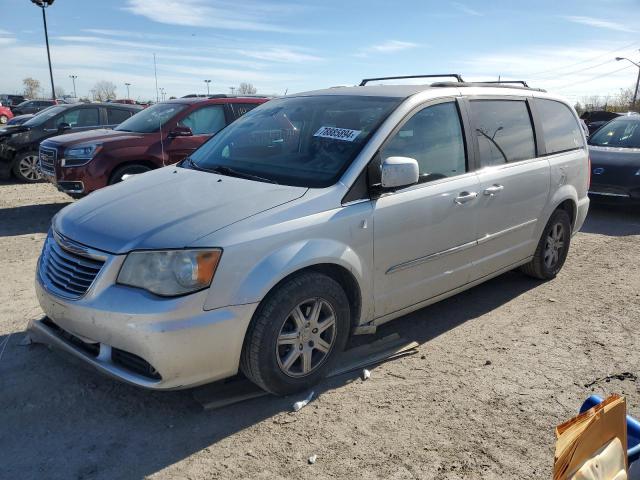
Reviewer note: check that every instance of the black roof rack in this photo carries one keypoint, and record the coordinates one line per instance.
(457, 76)
(521, 82)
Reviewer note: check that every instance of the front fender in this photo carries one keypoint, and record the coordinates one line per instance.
(289, 259)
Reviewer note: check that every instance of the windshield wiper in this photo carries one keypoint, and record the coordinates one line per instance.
(187, 162)
(235, 173)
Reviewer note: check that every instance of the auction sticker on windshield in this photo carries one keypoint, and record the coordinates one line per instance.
(338, 133)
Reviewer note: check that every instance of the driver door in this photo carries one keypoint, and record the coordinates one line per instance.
(425, 234)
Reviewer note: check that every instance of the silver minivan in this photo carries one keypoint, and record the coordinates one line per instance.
(314, 217)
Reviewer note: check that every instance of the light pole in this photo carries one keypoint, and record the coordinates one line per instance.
(73, 79)
(44, 4)
(207, 82)
(233, 91)
(635, 94)
(162, 93)
(128, 85)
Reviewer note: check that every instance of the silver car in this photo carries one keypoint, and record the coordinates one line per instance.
(314, 217)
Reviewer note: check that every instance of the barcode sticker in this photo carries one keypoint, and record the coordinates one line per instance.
(338, 133)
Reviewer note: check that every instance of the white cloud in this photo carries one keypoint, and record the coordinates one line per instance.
(220, 14)
(5, 32)
(599, 23)
(466, 9)
(279, 54)
(389, 46)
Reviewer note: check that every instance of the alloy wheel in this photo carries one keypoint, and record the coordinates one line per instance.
(554, 245)
(29, 168)
(306, 337)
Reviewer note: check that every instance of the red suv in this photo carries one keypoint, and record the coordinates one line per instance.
(165, 133)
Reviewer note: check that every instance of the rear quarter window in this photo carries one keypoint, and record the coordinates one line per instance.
(116, 116)
(560, 128)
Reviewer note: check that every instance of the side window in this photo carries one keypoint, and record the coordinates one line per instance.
(434, 138)
(504, 131)
(206, 120)
(80, 117)
(240, 109)
(559, 126)
(116, 116)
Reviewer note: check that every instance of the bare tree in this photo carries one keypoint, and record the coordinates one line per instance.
(103, 91)
(31, 87)
(246, 89)
(60, 92)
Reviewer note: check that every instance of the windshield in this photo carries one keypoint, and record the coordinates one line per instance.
(621, 132)
(150, 119)
(300, 141)
(44, 115)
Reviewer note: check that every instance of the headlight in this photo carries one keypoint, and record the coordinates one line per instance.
(80, 154)
(637, 172)
(172, 272)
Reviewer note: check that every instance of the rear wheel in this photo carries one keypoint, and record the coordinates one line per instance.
(26, 168)
(121, 173)
(3, 119)
(552, 249)
(296, 333)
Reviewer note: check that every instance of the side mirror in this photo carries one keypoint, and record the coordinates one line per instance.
(63, 126)
(399, 172)
(181, 131)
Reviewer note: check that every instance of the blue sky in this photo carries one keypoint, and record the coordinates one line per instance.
(565, 46)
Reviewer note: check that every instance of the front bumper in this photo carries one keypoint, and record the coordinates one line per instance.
(183, 345)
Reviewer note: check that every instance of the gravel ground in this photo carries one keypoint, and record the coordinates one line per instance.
(498, 367)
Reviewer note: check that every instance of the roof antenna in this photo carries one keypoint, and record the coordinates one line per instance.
(155, 72)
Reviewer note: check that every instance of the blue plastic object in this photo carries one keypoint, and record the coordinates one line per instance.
(633, 428)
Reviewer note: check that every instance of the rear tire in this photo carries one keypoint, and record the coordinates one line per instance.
(3, 119)
(134, 169)
(26, 168)
(552, 248)
(296, 334)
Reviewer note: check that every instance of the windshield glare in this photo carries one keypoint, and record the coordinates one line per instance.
(622, 132)
(150, 119)
(44, 115)
(300, 141)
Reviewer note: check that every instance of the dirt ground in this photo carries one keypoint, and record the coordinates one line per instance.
(498, 367)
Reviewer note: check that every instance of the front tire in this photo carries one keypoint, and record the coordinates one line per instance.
(26, 168)
(296, 333)
(127, 170)
(3, 119)
(552, 248)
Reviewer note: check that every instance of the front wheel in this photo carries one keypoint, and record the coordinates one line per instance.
(296, 333)
(3, 119)
(121, 173)
(26, 168)
(552, 249)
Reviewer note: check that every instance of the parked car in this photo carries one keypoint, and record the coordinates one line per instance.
(312, 217)
(32, 106)
(597, 118)
(19, 143)
(20, 119)
(165, 133)
(615, 161)
(5, 114)
(11, 100)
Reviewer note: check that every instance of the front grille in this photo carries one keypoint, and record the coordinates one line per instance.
(47, 160)
(134, 363)
(67, 273)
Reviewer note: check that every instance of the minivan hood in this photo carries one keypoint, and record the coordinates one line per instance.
(166, 208)
(102, 135)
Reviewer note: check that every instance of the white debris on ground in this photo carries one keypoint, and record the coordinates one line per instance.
(303, 403)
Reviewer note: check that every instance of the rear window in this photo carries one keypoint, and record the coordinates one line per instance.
(504, 131)
(117, 116)
(623, 132)
(559, 126)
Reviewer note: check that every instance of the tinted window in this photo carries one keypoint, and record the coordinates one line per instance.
(622, 132)
(560, 128)
(206, 120)
(44, 116)
(433, 137)
(242, 108)
(116, 116)
(80, 117)
(302, 141)
(504, 131)
(150, 119)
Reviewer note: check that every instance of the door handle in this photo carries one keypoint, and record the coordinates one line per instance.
(464, 197)
(493, 189)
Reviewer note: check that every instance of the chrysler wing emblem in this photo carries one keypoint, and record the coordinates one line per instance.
(598, 171)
